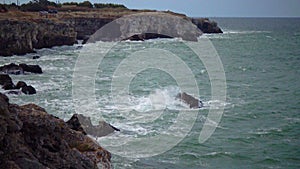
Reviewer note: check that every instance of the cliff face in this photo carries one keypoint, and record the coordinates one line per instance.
(155, 24)
(135, 24)
(87, 26)
(21, 37)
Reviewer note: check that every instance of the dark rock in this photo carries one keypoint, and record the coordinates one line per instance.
(74, 124)
(35, 57)
(12, 69)
(20, 84)
(5, 79)
(32, 138)
(20, 69)
(8, 86)
(83, 124)
(28, 90)
(146, 36)
(14, 92)
(31, 68)
(206, 26)
(190, 100)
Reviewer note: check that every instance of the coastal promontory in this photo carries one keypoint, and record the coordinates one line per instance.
(23, 31)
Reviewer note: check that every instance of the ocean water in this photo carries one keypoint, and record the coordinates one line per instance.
(260, 125)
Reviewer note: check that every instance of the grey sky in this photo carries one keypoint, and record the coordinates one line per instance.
(213, 8)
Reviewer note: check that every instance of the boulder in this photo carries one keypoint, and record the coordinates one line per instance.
(5, 79)
(12, 69)
(190, 100)
(31, 68)
(29, 90)
(83, 124)
(32, 138)
(20, 84)
(8, 86)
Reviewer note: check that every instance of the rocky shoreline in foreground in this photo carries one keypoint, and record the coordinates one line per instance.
(23, 32)
(32, 138)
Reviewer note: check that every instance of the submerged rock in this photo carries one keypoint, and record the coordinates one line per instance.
(32, 138)
(146, 36)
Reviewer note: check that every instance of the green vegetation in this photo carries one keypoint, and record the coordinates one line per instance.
(43, 5)
(86, 4)
(38, 5)
(110, 5)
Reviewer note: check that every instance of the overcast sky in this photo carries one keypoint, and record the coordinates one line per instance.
(213, 8)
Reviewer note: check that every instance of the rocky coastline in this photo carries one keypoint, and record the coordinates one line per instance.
(18, 37)
(23, 32)
(32, 138)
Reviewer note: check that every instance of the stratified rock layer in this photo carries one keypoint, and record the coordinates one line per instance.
(23, 36)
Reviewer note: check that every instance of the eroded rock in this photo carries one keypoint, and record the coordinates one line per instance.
(83, 124)
(190, 100)
(32, 138)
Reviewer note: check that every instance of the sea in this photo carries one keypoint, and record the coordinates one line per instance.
(248, 79)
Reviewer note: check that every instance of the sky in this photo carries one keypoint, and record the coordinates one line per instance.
(212, 8)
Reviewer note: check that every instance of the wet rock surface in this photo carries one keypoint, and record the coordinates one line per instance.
(22, 68)
(7, 84)
(83, 124)
(32, 138)
(190, 100)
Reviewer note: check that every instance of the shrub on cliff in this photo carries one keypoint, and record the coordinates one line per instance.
(110, 5)
(70, 3)
(3, 8)
(87, 4)
(32, 7)
(38, 5)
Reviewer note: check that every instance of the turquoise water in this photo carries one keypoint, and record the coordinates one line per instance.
(261, 121)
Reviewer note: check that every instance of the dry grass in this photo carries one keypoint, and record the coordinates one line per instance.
(111, 13)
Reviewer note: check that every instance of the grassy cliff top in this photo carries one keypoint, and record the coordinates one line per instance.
(106, 13)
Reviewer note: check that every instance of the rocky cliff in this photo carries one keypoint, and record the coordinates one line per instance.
(206, 25)
(23, 36)
(32, 138)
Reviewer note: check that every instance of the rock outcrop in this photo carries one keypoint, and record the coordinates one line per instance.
(81, 123)
(18, 37)
(21, 36)
(32, 138)
(15, 69)
(190, 100)
(206, 26)
(7, 84)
